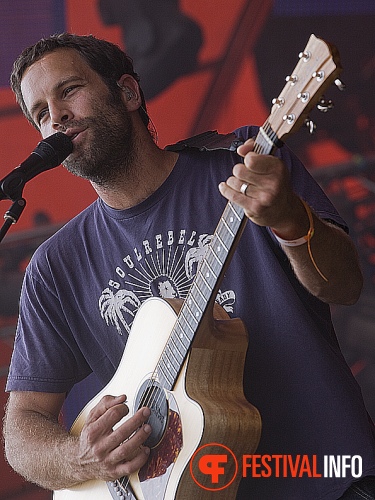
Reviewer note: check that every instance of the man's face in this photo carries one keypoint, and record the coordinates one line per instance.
(63, 94)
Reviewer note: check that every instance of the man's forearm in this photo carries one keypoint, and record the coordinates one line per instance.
(331, 272)
(41, 450)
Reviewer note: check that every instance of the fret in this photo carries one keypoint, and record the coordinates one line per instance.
(213, 274)
(193, 302)
(227, 227)
(215, 255)
(234, 209)
(165, 377)
(192, 313)
(182, 313)
(183, 338)
(174, 341)
(265, 136)
(183, 348)
(169, 357)
(225, 238)
(181, 334)
(222, 242)
(171, 366)
(216, 267)
(197, 288)
(200, 274)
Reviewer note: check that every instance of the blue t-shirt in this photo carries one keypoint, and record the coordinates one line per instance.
(84, 286)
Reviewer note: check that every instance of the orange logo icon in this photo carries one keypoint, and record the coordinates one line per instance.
(213, 467)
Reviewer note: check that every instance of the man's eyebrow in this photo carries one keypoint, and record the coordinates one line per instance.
(59, 85)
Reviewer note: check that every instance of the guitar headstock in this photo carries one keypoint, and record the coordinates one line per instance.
(318, 67)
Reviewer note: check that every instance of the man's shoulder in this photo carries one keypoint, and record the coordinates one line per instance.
(67, 237)
(212, 140)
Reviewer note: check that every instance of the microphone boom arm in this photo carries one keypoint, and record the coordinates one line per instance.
(48, 154)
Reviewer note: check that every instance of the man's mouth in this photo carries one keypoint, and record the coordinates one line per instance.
(73, 133)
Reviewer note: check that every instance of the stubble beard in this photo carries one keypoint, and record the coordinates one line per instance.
(107, 155)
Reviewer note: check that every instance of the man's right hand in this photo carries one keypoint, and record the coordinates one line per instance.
(108, 453)
(44, 452)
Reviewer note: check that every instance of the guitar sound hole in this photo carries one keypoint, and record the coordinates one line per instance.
(153, 396)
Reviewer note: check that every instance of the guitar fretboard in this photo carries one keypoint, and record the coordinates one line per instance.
(207, 279)
(200, 294)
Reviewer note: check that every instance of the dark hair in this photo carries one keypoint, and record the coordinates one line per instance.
(105, 58)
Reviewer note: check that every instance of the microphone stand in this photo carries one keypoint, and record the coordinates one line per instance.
(12, 215)
(12, 189)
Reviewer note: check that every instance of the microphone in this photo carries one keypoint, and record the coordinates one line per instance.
(49, 153)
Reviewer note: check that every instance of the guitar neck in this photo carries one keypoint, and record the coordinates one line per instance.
(317, 68)
(205, 286)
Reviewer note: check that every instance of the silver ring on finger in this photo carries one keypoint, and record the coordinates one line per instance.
(243, 188)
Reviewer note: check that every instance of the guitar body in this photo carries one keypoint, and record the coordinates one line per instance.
(206, 405)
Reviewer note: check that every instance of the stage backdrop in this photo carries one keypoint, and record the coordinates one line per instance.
(204, 66)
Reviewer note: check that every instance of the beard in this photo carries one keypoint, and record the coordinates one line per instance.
(107, 153)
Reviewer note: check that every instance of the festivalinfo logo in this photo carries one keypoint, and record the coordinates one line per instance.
(214, 460)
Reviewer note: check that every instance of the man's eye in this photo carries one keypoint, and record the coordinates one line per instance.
(68, 90)
(42, 114)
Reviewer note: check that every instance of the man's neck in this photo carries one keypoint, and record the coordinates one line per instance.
(150, 170)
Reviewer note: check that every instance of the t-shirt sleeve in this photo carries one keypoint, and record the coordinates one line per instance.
(45, 356)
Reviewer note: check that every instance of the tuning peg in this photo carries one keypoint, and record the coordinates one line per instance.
(324, 105)
(292, 79)
(306, 55)
(279, 101)
(339, 84)
(304, 96)
(310, 125)
(319, 75)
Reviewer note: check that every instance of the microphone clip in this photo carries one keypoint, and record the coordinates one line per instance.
(12, 186)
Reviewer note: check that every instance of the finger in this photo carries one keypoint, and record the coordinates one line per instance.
(246, 147)
(126, 430)
(255, 169)
(125, 468)
(130, 448)
(105, 404)
(242, 186)
(233, 194)
(261, 164)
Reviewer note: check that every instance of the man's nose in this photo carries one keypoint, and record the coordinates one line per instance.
(59, 116)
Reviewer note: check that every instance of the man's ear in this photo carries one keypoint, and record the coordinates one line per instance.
(128, 84)
(128, 92)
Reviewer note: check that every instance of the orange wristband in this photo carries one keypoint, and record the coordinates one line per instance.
(304, 239)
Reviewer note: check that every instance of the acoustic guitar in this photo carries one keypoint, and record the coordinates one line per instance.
(185, 360)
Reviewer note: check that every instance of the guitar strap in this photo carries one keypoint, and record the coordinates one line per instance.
(208, 141)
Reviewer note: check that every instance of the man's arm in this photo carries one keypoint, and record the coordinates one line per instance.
(330, 270)
(43, 452)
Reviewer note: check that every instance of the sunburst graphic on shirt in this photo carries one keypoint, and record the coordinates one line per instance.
(162, 273)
